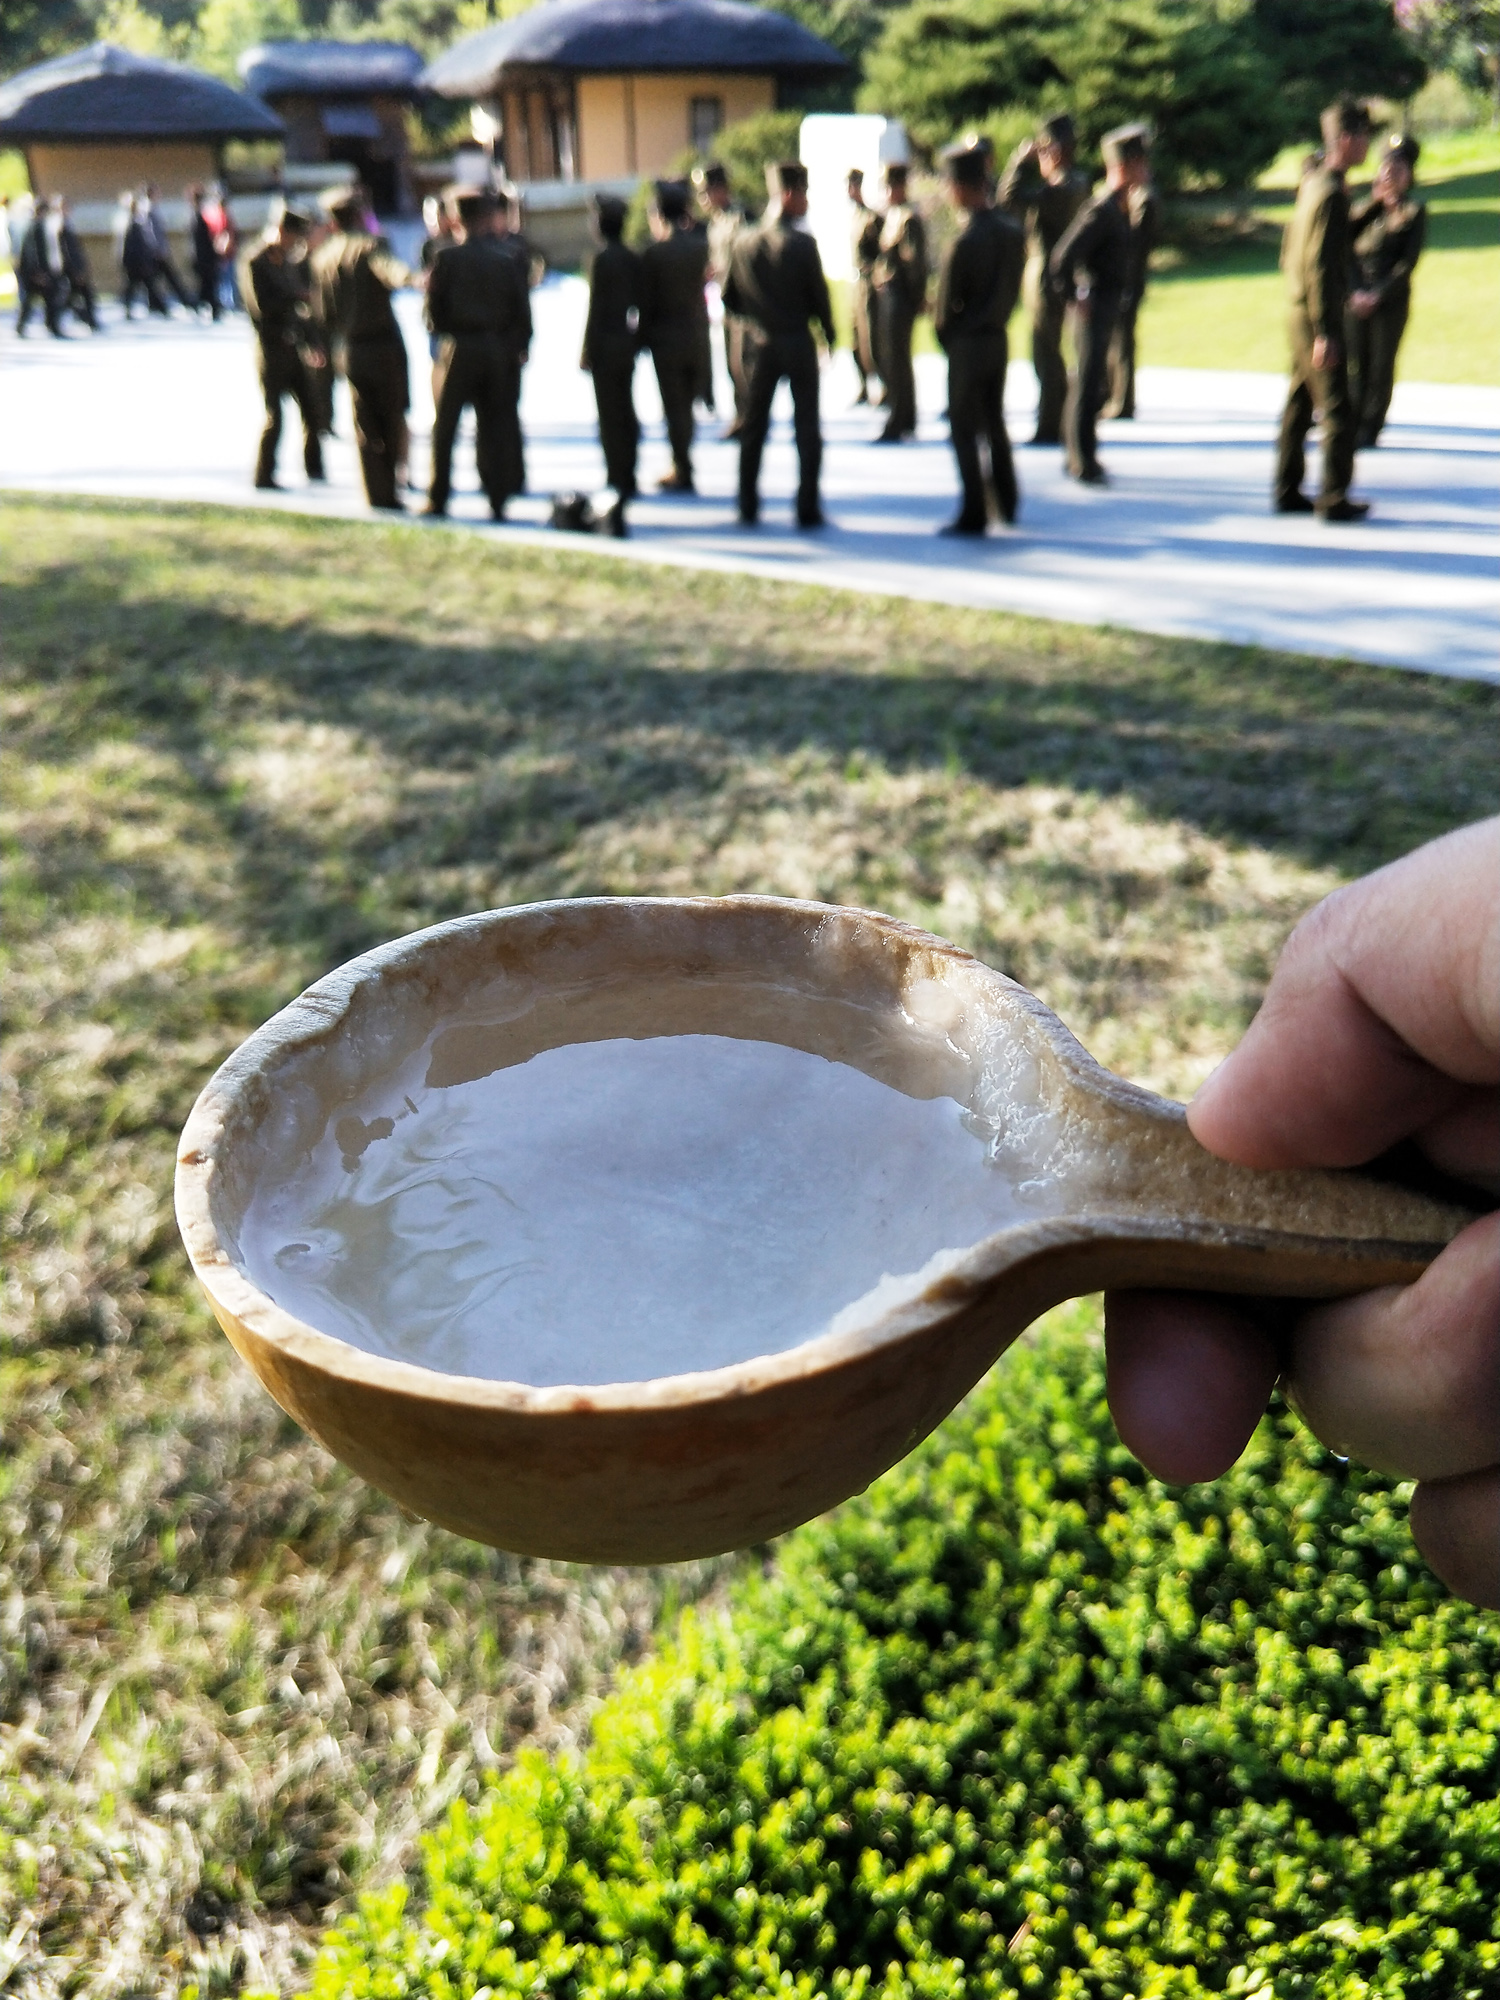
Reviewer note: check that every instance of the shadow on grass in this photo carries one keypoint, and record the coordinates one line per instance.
(509, 748)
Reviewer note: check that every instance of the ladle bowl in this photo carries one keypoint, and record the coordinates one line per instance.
(694, 1464)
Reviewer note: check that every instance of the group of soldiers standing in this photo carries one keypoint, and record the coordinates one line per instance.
(320, 284)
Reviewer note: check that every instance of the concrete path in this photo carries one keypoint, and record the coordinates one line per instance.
(1181, 543)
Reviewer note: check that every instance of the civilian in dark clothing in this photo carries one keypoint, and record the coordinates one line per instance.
(208, 268)
(776, 281)
(139, 265)
(479, 306)
(979, 280)
(167, 274)
(1387, 232)
(674, 320)
(611, 342)
(1089, 272)
(40, 278)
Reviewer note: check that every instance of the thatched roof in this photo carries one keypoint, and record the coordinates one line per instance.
(331, 69)
(609, 37)
(107, 93)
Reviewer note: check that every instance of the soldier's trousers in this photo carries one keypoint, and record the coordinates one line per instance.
(895, 323)
(282, 374)
(619, 427)
(482, 371)
(1092, 333)
(1315, 389)
(735, 334)
(976, 417)
(380, 393)
(1048, 316)
(861, 299)
(794, 357)
(1122, 363)
(1372, 345)
(678, 372)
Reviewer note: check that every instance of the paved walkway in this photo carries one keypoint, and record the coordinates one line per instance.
(1181, 543)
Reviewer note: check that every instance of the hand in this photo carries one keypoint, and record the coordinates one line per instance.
(1326, 351)
(1382, 1023)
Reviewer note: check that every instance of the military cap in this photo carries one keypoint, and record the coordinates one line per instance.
(296, 219)
(1058, 131)
(671, 199)
(474, 204)
(856, 174)
(1347, 117)
(972, 140)
(786, 177)
(967, 166)
(346, 206)
(1126, 142)
(893, 171)
(1402, 146)
(608, 206)
(714, 174)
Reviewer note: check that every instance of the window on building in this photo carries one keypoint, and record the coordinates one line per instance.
(705, 122)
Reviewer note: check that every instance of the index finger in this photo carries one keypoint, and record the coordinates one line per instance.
(1382, 1017)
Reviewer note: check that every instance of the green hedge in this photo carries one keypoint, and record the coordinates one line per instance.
(1019, 1721)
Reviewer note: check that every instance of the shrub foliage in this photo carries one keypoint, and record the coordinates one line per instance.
(1019, 1721)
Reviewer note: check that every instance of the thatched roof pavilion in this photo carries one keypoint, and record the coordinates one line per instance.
(597, 90)
(342, 101)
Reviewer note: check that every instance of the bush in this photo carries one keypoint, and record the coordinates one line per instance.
(1018, 1721)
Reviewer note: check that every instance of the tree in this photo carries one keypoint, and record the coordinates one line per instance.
(1322, 50)
(941, 65)
(1461, 37)
(1188, 66)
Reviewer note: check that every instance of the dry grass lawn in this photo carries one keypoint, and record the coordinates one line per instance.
(235, 1682)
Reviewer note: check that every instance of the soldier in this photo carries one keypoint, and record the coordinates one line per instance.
(355, 275)
(276, 289)
(674, 320)
(479, 308)
(78, 278)
(1088, 273)
(1044, 190)
(776, 279)
(611, 342)
(864, 244)
(1387, 232)
(1144, 216)
(899, 282)
(979, 280)
(1315, 258)
(725, 221)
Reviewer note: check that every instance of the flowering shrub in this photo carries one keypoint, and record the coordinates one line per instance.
(1019, 1721)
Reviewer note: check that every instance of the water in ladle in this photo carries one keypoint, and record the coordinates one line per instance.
(614, 1211)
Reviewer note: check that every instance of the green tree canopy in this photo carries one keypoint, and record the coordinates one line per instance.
(1224, 82)
(1320, 51)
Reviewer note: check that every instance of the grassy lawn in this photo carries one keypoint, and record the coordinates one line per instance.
(235, 1683)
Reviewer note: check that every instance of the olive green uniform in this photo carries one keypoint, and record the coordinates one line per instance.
(899, 283)
(1145, 228)
(864, 246)
(1046, 209)
(979, 280)
(1090, 269)
(776, 279)
(724, 226)
(479, 308)
(1386, 244)
(355, 275)
(1315, 258)
(276, 290)
(611, 341)
(674, 325)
